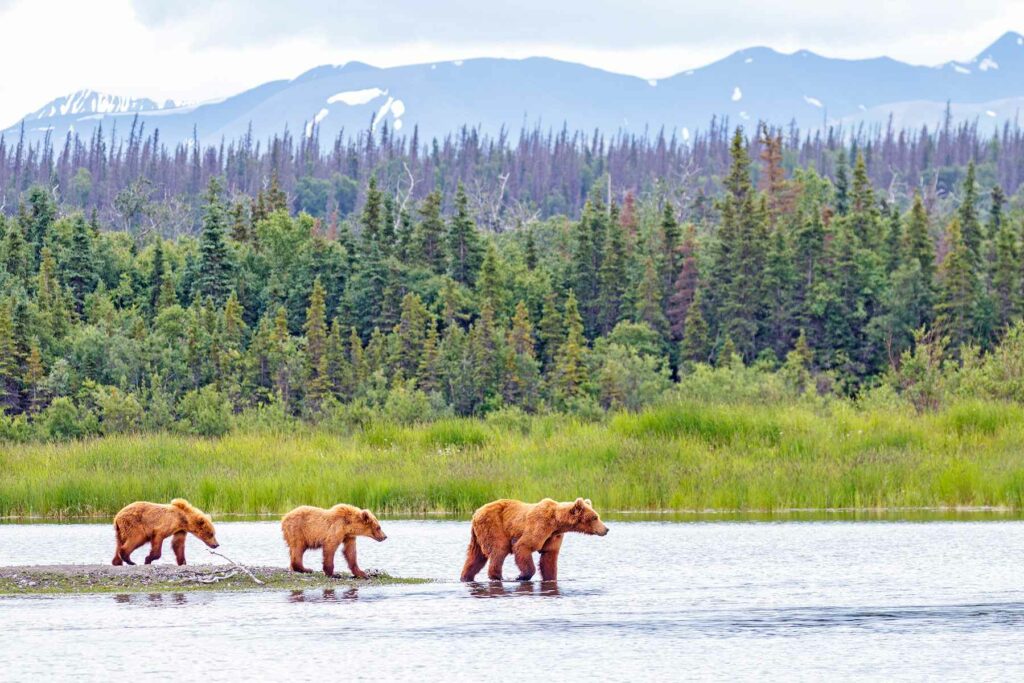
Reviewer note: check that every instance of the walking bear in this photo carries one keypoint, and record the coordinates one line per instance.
(308, 527)
(512, 527)
(142, 522)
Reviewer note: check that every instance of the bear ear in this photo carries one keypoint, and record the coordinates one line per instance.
(365, 514)
(577, 507)
(587, 501)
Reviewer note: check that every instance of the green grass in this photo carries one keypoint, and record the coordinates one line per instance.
(681, 456)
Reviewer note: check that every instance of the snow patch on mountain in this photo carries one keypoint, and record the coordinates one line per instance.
(737, 94)
(988, 63)
(961, 70)
(813, 101)
(92, 102)
(354, 98)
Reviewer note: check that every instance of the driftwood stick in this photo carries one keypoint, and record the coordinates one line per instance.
(244, 569)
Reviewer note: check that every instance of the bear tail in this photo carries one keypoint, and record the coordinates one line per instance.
(475, 558)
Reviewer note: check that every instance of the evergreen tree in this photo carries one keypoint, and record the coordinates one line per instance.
(842, 184)
(570, 372)
(317, 370)
(156, 276)
(550, 331)
(995, 212)
(958, 296)
(213, 278)
(970, 224)
(738, 270)
(10, 370)
(522, 373)
(80, 269)
(465, 253)
(430, 234)
(1006, 276)
(410, 335)
(696, 344)
(671, 235)
(613, 278)
(684, 289)
(649, 308)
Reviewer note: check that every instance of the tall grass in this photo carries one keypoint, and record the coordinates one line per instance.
(679, 456)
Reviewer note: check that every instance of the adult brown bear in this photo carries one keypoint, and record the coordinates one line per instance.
(308, 527)
(512, 527)
(142, 522)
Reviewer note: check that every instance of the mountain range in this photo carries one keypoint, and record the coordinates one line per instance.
(493, 94)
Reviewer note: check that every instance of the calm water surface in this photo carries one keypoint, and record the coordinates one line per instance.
(651, 601)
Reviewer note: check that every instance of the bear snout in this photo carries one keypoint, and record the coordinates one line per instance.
(603, 531)
(381, 537)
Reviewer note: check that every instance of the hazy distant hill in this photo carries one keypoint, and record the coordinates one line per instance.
(752, 84)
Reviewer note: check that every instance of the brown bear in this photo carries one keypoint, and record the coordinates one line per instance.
(308, 527)
(143, 522)
(512, 527)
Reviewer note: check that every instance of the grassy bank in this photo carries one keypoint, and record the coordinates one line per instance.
(679, 456)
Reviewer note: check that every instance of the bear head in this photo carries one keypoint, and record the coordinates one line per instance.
(366, 524)
(581, 516)
(197, 522)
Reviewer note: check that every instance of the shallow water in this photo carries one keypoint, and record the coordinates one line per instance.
(725, 600)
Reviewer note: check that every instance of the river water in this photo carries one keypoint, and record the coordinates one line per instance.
(650, 601)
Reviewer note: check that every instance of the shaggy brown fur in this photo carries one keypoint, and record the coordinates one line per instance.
(309, 527)
(143, 522)
(512, 527)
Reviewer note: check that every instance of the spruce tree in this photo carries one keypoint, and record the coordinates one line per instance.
(213, 278)
(958, 295)
(10, 369)
(315, 327)
(430, 234)
(671, 235)
(613, 278)
(842, 184)
(156, 275)
(570, 372)
(465, 253)
(1006, 275)
(696, 344)
(684, 288)
(970, 224)
(649, 305)
(80, 268)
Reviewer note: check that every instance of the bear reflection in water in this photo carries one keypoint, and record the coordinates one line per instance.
(151, 599)
(328, 595)
(497, 589)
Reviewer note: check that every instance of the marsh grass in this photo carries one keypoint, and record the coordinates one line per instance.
(678, 456)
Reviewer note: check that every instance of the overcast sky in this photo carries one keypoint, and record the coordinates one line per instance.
(201, 49)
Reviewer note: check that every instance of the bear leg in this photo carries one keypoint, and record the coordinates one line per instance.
(296, 552)
(329, 550)
(130, 545)
(156, 548)
(524, 560)
(350, 557)
(497, 560)
(178, 546)
(549, 558)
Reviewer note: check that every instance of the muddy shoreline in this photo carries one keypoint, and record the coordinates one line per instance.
(66, 579)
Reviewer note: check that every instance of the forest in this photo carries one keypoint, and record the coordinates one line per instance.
(418, 301)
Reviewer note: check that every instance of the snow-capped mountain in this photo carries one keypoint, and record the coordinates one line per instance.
(86, 102)
(494, 94)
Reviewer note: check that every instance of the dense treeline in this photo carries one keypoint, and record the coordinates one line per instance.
(137, 183)
(410, 309)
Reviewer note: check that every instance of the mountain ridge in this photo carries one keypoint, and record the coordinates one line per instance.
(495, 94)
